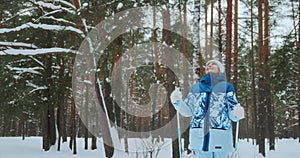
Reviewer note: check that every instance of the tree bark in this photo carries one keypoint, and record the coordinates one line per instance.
(270, 112)
(220, 45)
(94, 143)
(107, 139)
(196, 40)
(235, 58)
(253, 89)
(117, 53)
(261, 82)
(235, 43)
(49, 132)
(0, 19)
(73, 127)
(45, 129)
(206, 30)
(228, 39)
(299, 72)
(155, 54)
(170, 112)
(60, 114)
(211, 29)
(86, 110)
(186, 79)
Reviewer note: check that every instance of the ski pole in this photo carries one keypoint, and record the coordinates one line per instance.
(237, 135)
(179, 135)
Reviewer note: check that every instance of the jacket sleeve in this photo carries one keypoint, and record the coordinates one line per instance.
(232, 102)
(185, 107)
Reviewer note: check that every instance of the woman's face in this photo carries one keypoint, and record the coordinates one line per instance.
(212, 68)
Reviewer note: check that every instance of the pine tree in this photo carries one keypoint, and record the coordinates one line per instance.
(261, 82)
(228, 39)
(299, 71)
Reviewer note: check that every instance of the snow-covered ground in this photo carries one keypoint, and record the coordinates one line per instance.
(15, 147)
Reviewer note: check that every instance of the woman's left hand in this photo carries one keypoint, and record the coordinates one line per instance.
(239, 112)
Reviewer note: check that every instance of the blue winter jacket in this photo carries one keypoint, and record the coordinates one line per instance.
(216, 98)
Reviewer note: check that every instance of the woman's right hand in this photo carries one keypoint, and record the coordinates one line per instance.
(176, 95)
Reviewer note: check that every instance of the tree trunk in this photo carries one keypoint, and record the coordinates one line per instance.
(206, 30)
(49, 132)
(22, 125)
(185, 49)
(235, 58)
(186, 71)
(220, 29)
(61, 103)
(58, 116)
(1, 19)
(261, 83)
(169, 110)
(253, 89)
(159, 73)
(299, 71)
(128, 94)
(45, 128)
(247, 119)
(104, 120)
(228, 39)
(72, 144)
(2, 115)
(52, 128)
(270, 112)
(235, 44)
(197, 61)
(211, 29)
(117, 53)
(86, 111)
(94, 143)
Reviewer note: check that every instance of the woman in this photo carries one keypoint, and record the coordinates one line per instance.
(213, 105)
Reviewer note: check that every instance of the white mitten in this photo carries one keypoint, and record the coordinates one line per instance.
(239, 112)
(176, 95)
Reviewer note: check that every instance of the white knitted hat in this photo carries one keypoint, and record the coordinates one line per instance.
(220, 65)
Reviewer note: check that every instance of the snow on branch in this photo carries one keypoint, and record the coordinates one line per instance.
(60, 20)
(67, 4)
(42, 26)
(35, 51)
(36, 5)
(37, 61)
(20, 70)
(21, 12)
(36, 87)
(55, 7)
(17, 45)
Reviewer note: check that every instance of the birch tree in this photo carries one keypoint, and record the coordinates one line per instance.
(197, 52)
